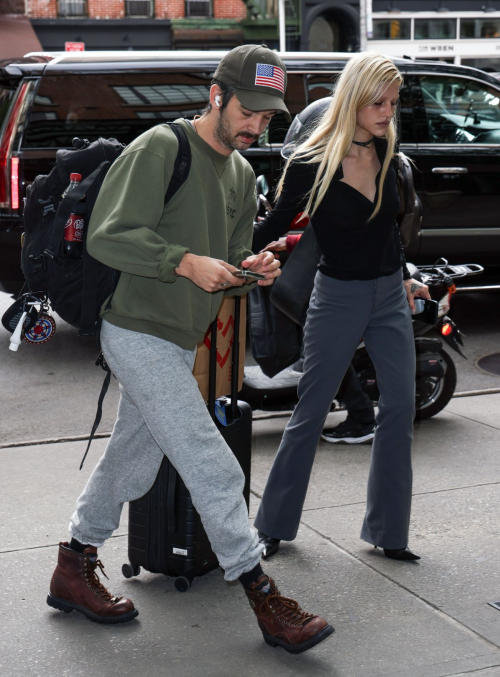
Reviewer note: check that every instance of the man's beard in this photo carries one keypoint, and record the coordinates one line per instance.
(223, 134)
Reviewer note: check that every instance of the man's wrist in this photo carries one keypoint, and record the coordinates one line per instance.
(185, 266)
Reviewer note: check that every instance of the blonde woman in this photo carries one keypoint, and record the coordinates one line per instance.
(343, 178)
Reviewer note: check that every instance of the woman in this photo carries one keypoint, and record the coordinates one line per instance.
(343, 178)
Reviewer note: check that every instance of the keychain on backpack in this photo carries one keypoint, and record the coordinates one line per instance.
(28, 319)
(42, 330)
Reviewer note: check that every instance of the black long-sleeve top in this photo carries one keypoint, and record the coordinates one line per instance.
(352, 247)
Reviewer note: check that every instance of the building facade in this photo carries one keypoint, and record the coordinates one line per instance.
(458, 31)
(138, 24)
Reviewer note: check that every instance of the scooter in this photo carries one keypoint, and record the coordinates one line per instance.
(436, 375)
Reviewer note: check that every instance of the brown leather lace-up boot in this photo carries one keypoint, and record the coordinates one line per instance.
(76, 585)
(281, 619)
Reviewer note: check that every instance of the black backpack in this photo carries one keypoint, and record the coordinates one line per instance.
(77, 288)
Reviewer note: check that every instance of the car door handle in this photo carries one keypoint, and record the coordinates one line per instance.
(450, 170)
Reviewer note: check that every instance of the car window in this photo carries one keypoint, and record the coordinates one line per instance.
(406, 115)
(6, 96)
(320, 85)
(121, 105)
(295, 101)
(460, 110)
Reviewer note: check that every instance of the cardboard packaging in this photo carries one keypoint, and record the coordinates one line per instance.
(225, 339)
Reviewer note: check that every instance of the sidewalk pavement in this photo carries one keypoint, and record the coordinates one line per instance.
(423, 619)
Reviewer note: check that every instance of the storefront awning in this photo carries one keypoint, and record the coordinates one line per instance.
(17, 36)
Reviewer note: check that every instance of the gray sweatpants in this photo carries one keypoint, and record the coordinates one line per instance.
(339, 315)
(162, 412)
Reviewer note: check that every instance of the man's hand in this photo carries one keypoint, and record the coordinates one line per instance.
(414, 289)
(264, 263)
(207, 273)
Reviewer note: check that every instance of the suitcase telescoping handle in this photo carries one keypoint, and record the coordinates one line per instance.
(235, 358)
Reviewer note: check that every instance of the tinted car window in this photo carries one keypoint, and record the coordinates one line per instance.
(460, 110)
(295, 101)
(406, 115)
(6, 96)
(121, 105)
(319, 86)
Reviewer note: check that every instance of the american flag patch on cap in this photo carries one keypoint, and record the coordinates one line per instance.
(270, 76)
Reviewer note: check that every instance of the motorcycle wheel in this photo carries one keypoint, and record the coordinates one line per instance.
(435, 393)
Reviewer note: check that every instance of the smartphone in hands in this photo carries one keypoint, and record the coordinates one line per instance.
(426, 311)
(249, 275)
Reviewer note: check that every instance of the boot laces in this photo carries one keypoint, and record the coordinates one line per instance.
(93, 580)
(286, 609)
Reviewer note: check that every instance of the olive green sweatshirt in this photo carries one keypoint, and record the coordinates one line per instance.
(132, 231)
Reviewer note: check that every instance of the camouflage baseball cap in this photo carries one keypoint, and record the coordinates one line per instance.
(258, 77)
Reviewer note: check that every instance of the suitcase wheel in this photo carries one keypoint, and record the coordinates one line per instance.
(130, 570)
(182, 583)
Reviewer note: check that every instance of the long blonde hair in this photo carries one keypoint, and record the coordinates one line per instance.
(360, 84)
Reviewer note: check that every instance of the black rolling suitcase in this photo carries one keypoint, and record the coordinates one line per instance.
(165, 531)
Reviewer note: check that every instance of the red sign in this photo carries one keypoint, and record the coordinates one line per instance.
(74, 46)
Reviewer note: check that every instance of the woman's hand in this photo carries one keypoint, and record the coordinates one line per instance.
(276, 246)
(415, 289)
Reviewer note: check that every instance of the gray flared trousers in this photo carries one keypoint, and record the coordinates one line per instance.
(340, 314)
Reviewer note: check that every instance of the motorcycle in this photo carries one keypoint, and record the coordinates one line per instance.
(436, 374)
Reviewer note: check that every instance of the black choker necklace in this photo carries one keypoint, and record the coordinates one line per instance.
(365, 144)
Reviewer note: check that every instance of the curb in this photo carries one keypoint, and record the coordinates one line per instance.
(264, 416)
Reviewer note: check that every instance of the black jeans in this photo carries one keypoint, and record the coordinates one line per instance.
(359, 406)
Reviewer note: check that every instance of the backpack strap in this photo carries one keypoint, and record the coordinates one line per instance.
(100, 362)
(182, 163)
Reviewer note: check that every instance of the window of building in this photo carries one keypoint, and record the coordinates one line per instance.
(392, 29)
(459, 110)
(70, 8)
(479, 28)
(488, 64)
(198, 8)
(139, 8)
(324, 35)
(435, 29)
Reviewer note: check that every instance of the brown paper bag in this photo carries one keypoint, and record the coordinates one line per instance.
(225, 339)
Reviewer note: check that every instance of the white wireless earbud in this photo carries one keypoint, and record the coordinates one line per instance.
(217, 101)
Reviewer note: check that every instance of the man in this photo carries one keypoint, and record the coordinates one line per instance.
(176, 263)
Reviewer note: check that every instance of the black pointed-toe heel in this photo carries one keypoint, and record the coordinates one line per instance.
(271, 545)
(403, 554)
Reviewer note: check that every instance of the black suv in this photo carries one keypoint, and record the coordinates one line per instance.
(450, 127)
